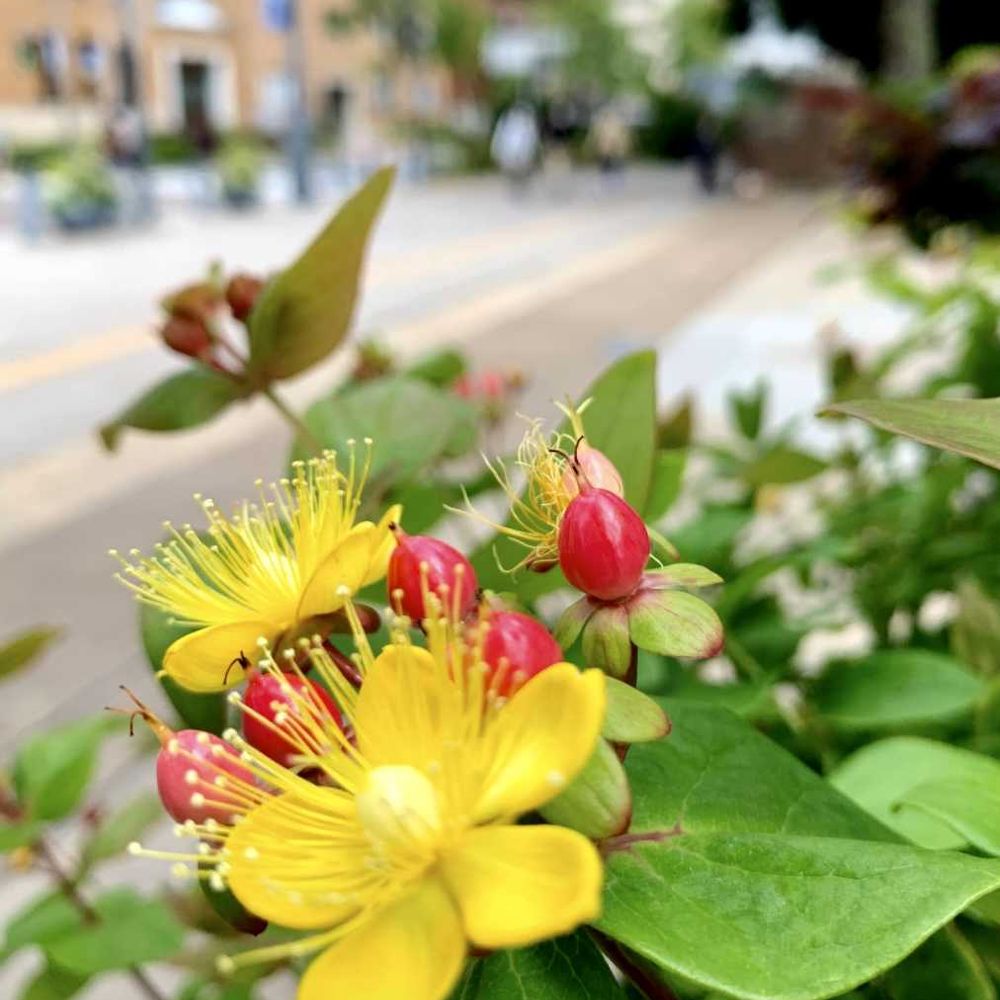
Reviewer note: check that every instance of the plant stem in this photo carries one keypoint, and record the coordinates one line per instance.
(303, 433)
(68, 887)
(633, 971)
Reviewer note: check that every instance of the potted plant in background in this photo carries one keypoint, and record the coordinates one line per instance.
(239, 163)
(79, 190)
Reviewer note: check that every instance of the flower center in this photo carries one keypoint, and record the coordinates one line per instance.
(399, 811)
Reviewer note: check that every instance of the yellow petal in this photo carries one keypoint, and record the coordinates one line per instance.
(414, 949)
(382, 545)
(519, 884)
(541, 739)
(199, 661)
(346, 566)
(281, 870)
(398, 714)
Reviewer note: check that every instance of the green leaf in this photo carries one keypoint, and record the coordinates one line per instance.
(567, 968)
(441, 368)
(45, 919)
(747, 409)
(411, 423)
(666, 482)
(882, 774)
(969, 806)
(621, 421)
(178, 403)
(18, 652)
(893, 688)
(970, 427)
(132, 930)
(119, 829)
(306, 311)
(631, 716)
(606, 640)
(780, 466)
(674, 623)
(14, 835)
(779, 917)
(53, 983)
(975, 633)
(198, 711)
(52, 770)
(745, 872)
(685, 575)
(948, 964)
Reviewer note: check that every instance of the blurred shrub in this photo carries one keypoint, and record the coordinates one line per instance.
(670, 130)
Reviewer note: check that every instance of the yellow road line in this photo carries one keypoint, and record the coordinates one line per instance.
(124, 341)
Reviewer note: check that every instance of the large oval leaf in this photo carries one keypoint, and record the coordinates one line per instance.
(747, 873)
(893, 688)
(306, 311)
(178, 403)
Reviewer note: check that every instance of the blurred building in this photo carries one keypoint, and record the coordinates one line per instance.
(215, 64)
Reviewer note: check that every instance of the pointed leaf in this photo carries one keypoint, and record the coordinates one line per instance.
(882, 774)
(572, 621)
(178, 403)
(666, 482)
(53, 983)
(969, 806)
(893, 688)
(20, 651)
(682, 575)
(970, 427)
(306, 311)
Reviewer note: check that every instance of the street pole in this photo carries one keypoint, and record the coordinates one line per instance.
(298, 139)
(132, 96)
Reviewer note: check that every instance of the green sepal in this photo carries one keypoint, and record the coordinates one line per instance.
(674, 623)
(606, 640)
(632, 716)
(598, 802)
(572, 621)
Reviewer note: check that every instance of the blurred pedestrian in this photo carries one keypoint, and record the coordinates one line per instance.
(125, 142)
(705, 152)
(515, 144)
(609, 136)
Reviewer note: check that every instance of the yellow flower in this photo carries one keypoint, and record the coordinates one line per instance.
(407, 849)
(294, 555)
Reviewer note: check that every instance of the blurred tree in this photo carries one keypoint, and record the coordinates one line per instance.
(459, 29)
(696, 32)
(601, 54)
(909, 39)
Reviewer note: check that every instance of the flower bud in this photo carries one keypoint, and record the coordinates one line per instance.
(186, 336)
(420, 565)
(603, 544)
(594, 468)
(241, 295)
(192, 770)
(267, 698)
(516, 647)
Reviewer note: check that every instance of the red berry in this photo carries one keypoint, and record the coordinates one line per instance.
(242, 293)
(267, 695)
(603, 544)
(420, 562)
(191, 774)
(186, 336)
(517, 647)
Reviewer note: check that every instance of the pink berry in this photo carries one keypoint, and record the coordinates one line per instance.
(603, 544)
(192, 771)
(266, 696)
(595, 469)
(517, 647)
(420, 562)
